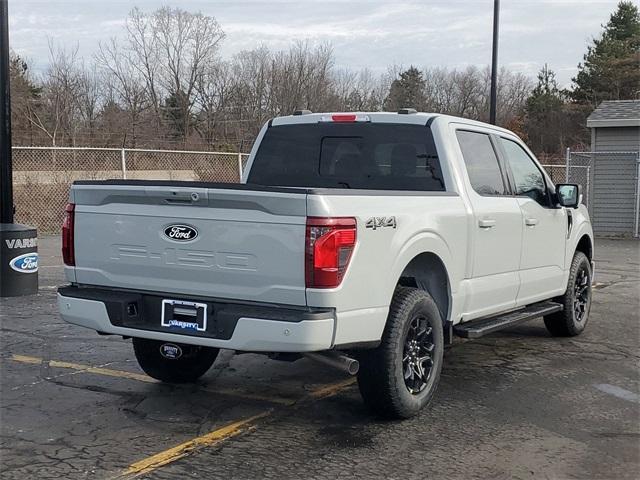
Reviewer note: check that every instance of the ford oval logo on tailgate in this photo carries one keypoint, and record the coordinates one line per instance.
(180, 233)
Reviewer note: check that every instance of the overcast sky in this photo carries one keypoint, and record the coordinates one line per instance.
(372, 34)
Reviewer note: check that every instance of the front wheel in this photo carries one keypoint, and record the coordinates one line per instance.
(173, 362)
(576, 300)
(400, 376)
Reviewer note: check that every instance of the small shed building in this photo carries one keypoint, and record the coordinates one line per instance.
(615, 168)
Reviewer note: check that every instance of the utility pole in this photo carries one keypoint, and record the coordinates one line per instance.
(6, 187)
(18, 243)
(494, 63)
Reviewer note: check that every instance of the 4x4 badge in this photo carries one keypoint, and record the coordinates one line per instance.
(381, 222)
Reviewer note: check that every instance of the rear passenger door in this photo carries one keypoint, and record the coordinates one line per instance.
(545, 226)
(496, 233)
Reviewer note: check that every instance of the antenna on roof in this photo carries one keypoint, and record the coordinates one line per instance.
(407, 111)
(302, 112)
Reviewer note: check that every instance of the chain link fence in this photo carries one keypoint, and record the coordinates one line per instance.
(42, 175)
(579, 174)
(556, 172)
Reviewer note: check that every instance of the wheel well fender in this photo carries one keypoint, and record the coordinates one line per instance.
(426, 262)
(427, 272)
(581, 238)
(585, 245)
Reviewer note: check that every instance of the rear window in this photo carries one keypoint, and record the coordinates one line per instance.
(354, 155)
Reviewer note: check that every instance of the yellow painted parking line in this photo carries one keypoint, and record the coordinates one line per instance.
(218, 436)
(26, 359)
(102, 371)
(179, 451)
(330, 390)
(109, 372)
(85, 368)
(210, 439)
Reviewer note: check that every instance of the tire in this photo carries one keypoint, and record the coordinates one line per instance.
(188, 364)
(381, 378)
(576, 300)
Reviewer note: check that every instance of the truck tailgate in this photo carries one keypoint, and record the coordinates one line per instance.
(245, 244)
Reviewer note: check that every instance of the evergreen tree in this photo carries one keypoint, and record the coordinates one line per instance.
(546, 95)
(176, 115)
(407, 91)
(24, 96)
(611, 67)
(544, 112)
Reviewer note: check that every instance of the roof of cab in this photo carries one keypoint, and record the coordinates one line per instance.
(418, 118)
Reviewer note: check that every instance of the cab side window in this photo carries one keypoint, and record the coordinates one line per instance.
(528, 178)
(481, 162)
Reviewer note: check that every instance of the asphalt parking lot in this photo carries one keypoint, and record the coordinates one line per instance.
(518, 404)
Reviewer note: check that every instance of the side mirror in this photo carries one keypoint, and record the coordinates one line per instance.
(568, 195)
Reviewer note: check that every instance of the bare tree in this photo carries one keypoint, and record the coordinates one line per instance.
(124, 83)
(89, 98)
(165, 83)
(513, 91)
(345, 89)
(172, 48)
(214, 91)
(253, 89)
(142, 52)
(301, 77)
(358, 90)
(468, 90)
(55, 112)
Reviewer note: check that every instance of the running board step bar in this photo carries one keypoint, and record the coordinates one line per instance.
(485, 326)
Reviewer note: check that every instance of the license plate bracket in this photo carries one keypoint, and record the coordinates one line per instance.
(184, 315)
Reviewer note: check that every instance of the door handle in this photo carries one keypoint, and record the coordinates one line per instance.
(487, 223)
(530, 222)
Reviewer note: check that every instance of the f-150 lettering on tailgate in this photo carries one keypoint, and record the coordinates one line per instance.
(141, 255)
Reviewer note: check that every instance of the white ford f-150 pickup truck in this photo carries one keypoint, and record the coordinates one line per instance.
(363, 240)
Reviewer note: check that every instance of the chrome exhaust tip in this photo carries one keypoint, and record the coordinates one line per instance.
(336, 360)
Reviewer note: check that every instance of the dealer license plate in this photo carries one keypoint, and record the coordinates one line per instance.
(182, 315)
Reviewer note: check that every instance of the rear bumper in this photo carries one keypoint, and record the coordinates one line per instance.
(234, 326)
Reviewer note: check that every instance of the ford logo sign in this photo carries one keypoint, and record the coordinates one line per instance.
(25, 263)
(180, 233)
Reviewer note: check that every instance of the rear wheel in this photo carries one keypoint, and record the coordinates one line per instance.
(399, 377)
(576, 300)
(173, 362)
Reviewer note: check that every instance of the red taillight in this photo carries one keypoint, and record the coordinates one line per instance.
(344, 117)
(68, 254)
(329, 245)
